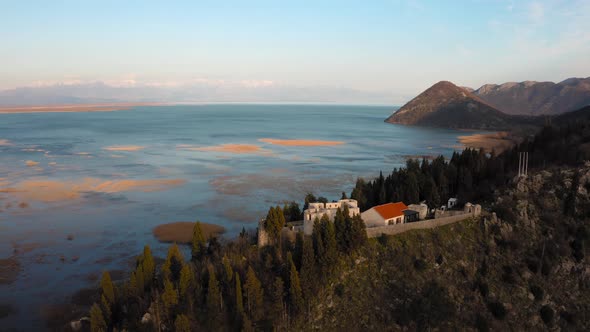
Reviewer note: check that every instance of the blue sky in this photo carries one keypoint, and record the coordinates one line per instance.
(397, 47)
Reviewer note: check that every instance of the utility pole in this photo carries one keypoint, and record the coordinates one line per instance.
(523, 164)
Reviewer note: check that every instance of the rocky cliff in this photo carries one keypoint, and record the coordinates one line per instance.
(447, 105)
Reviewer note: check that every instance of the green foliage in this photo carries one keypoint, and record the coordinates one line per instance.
(254, 295)
(169, 296)
(229, 272)
(173, 264)
(182, 324)
(97, 322)
(107, 288)
(105, 307)
(277, 303)
(239, 295)
(274, 223)
(308, 274)
(198, 242)
(213, 298)
(295, 292)
(186, 282)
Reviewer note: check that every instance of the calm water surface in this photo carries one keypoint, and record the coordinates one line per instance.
(61, 176)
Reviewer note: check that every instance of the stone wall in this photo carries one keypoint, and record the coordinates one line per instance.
(432, 223)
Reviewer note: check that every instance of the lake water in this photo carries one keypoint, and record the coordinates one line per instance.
(105, 179)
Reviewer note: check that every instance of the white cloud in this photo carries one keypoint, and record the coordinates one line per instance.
(536, 12)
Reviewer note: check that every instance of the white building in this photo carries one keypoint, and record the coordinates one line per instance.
(421, 208)
(385, 214)
(451, 203)
(329, 209)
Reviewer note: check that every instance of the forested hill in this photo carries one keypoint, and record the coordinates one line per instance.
(525, 270)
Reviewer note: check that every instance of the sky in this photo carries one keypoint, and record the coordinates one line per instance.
(388, 49)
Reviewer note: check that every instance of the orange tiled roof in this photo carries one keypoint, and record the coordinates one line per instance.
(391, 210)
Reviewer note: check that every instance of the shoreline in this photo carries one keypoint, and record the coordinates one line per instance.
(74, 108)
(498, 141)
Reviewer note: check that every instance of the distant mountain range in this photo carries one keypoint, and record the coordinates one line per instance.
(192, 92)
(537, 98)
(492, 106)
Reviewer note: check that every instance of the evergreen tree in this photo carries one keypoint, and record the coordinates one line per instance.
(239, 298)
(213, 299)
(148, 266)
(229, 272)
(308, 269)
(198, 242)
(169, 296)
(412, 190)
(254, 295)
(97, 322)
(182, 323)
(173, 264)
(106, 285)
(186, 280)
(277, 303)
(105, 307)
(295, 292)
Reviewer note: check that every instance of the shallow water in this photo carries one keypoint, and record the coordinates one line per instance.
(107, 178)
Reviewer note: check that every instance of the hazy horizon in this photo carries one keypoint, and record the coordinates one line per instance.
(382, 53)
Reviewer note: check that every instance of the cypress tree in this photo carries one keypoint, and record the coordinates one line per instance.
(173, 264)
(308, 269)
(239, 298)
(198, 243)
(295, 293)
(186, 280)
(254, 295)
(276, 309)
(182, 324)
(169, 296)
(97, 322)
(106, 285)
(213, 299)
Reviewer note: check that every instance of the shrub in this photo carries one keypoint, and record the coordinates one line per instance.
(339, 290)
(547, 314)
(481, 323)
(497, 309)
(537, 292)
(420, 265)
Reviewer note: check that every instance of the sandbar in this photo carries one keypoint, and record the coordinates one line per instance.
(182, 231)
(227, 148)
(72, 108)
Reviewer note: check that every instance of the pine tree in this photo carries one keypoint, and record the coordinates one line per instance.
(106, 285)
(213, 299)
(239, 298)
(169, 296)
(254, 295)
(105, 307)
(277, 303)
(173, 264)
(186, 280)
(148, 265)
(308, 269)
(182, 323)
(295, 293)
(198, 242)
(97, 322)
(229, 272)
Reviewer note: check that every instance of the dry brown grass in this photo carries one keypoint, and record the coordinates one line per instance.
(182, 231)
(498, 141)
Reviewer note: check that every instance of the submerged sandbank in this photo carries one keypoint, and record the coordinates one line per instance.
(299, 142)
(227, 148)
(182, 231)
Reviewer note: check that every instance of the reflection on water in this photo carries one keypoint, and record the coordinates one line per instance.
(81, 192)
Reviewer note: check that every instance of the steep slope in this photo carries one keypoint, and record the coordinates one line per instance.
(447, 105)
(537, 98)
